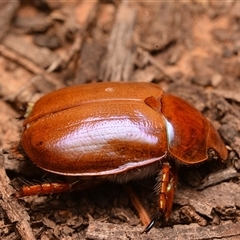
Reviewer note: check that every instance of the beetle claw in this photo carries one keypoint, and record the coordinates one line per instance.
(149, 226)
(155, 218)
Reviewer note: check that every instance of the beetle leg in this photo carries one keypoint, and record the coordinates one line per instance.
(165, 187)
(167, 183)
(43, 189)
(53, 188)
(143, 215)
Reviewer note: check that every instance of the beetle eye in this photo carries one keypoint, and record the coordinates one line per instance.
(212, 154)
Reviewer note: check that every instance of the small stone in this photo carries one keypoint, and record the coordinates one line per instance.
(216, 79)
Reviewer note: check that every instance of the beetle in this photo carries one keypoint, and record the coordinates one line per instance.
(120, 132)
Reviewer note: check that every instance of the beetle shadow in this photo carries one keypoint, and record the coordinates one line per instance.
(193, 176)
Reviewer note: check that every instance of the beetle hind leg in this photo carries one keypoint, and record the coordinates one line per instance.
(55, 188)
(166, 183)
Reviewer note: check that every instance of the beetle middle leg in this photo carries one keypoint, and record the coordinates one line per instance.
(165, 187)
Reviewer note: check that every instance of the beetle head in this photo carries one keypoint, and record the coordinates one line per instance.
(215, 142)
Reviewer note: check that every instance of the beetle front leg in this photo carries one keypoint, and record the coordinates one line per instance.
(165, 187)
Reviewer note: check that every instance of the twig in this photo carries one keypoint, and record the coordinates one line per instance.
(219, 177)
(7, 12)
(89, 9)
(15, 212)
(153, 61)
(29, 65)
(120, 56)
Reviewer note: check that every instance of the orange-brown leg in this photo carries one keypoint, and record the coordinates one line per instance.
(143, 215)
(165, 187)
(43, 189)
(51, 188)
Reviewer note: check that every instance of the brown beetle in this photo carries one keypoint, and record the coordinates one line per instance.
(120, 132)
